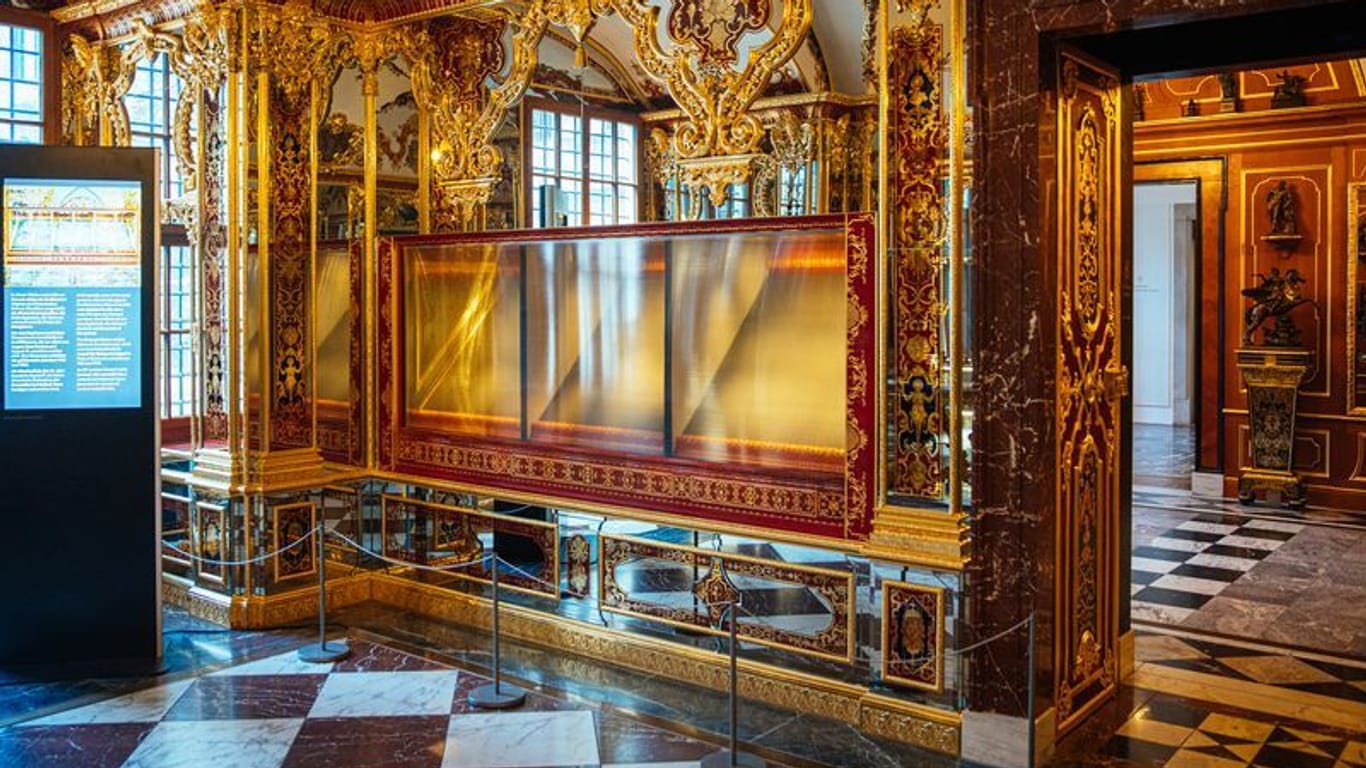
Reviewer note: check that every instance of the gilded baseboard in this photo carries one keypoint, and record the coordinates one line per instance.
(263, 611)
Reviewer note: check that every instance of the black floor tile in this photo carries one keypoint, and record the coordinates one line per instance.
(1172, 597)
(1227, 575)
(1177, 533)
(1157, 553)
(1226, 550)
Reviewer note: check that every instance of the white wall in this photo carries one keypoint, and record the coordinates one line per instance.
(1164, 304)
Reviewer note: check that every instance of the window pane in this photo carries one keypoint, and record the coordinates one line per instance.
(21, 91)
(626, 204)
(626, 153)
(571, 140)
(601, 204)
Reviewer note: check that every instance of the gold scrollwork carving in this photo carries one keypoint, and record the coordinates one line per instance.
(702, 78)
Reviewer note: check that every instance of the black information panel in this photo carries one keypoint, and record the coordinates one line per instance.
(78, 411)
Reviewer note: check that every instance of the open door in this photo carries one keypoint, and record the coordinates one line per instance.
(1092, 383)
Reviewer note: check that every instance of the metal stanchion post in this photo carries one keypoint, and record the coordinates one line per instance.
(496, 696)
(1029, 692)
(732, 756)
(323, 652)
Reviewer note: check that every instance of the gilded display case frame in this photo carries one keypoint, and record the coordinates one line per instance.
(735, 565)
(1356, 299)
(838, 509)
(549, 547)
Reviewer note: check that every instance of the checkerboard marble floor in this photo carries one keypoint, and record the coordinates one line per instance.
(1175, 733)
(1257, 574)
(378, 708)
(1181, 570)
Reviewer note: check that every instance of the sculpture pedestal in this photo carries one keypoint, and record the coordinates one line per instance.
(1272, 376)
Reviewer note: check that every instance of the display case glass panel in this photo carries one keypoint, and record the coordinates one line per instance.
(462, 334)
(719, 368)
(758, 349)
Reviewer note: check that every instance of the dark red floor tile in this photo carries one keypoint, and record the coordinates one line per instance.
(248, 697)
(105, 745)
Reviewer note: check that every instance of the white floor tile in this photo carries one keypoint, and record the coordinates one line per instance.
(1161, 614)
(1250, 542)
(1179, 545)
(1189, 584)
(521, 740)
(375, 694)
(146, 706)
(1222, 561)
(1196, 525)
(217, 743)
(1275, 525)
(282, 664)
(1152, 566)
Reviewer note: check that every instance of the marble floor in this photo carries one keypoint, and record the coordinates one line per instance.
(1164, 456)
(379, 707)
(400, 700)
(1251, 573)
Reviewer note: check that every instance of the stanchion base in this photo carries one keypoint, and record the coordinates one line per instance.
(322, 653)
(722, 760)
(504, 697)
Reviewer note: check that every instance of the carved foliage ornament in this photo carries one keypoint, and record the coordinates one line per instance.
(713, 28)
(701, 78)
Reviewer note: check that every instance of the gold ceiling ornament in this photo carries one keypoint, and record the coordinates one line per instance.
(295, 47)
(577, 16)
(199, 57)
(794, 142)
(102, 73)
(452, 61)
(719, 140)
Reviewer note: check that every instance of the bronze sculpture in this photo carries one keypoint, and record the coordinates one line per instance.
(1280, 206)
(1275, 296)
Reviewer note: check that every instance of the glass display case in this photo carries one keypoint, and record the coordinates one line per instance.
(716, 369)
(339, 336)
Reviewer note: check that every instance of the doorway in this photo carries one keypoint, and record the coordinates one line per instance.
(1166, 258)
(1179, 250)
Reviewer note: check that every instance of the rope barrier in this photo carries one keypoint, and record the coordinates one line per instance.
(250, 561)
(483, 559)
(406, 564)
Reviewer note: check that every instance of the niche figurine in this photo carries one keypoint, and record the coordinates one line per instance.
(1282, 211)
(1275, 296)
(1289, 92)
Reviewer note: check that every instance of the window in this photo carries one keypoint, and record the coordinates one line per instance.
(583, 169)
(151, 103)
(177, 310)
(21, 85)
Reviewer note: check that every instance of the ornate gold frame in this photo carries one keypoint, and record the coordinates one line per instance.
(697, 555)
(929, 534)
(939, 604)
(1356, 253)
(277, 544)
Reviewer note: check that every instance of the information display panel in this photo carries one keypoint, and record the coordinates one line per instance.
(78, 409)
(72, 271)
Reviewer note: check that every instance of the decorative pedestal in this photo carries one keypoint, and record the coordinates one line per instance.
(1272, 376)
